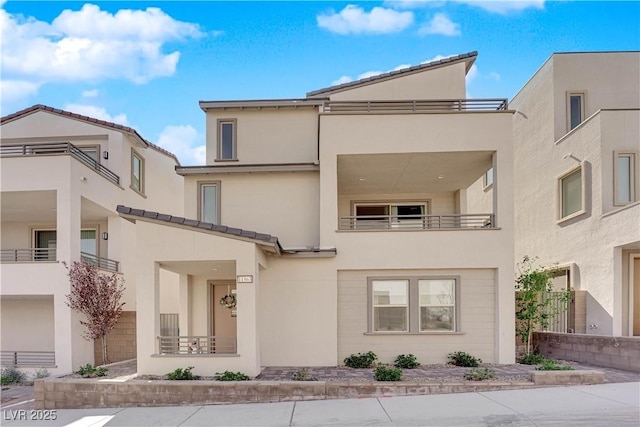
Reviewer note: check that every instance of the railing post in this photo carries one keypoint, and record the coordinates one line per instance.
(15, 358)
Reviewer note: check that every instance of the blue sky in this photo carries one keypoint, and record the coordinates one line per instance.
(147, 64)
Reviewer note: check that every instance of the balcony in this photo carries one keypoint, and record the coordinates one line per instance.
(415, 222)
(416, 106)
(194, 345)
(49, 254)
(65, 148)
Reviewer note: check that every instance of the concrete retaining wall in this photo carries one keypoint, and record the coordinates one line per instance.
(611, 352)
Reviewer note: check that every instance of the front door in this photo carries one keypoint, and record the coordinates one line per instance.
(223, 325)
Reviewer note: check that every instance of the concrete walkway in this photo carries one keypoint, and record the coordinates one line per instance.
(613, 404)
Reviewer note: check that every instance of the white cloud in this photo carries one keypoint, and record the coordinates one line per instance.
(91, 45)
(502, 7)
(90, 93)
(97, 113)
(471, 75)
(185, 142)
(15, 90)
(440, 24)
(368, 74)
(494, 75)
(341, 80)
(353, 19)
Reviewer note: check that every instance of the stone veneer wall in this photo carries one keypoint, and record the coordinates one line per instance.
(598, 350)
(121, 342)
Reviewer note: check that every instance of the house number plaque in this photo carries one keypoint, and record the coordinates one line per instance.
(244, 279)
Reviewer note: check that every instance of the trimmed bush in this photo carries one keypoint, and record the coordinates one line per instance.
(460, 358)
(531, 359)
(12, 375)
(303, 375)
(406, 361)
(182, 374)
(383, 373)
(552, 365)
(231, 376)
(90, 371)
(361, 360)
(480, 374)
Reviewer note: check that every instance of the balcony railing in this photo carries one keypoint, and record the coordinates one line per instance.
(102, 263)
(192, 345)
(14, 150)
(27, 255)
(416, 222)
(417, 106)
(28, 358)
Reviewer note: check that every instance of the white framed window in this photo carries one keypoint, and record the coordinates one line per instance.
(571, 193)
(227, 139)
(575, 109)
(209, 202)
(625, 177)
(413, 304)
(387, 215)
(488, 178)
(45, 243)
(137, 172)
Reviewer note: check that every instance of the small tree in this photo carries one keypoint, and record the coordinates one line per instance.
(96, 295)
(534, 301)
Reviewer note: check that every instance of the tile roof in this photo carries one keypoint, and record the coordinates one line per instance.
(91, 120)
(391, 74)
(231, 232)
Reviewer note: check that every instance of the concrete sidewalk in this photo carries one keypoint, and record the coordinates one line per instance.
(616, 404)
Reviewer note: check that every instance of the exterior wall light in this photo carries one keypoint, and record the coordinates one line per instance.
(105, 236)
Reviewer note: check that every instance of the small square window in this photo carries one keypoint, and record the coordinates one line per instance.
(575, 109)
(390, 305)
(137, 172)
(227, 139)
(437, 304)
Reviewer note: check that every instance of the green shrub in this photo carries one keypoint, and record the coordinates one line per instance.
(480, 374)
(531, 359)
(361, 360)
(383, 373)
(41, 373)
(12, 376)
(552, 365)
(90, 371)
(460, 358)
(406, 361)
(303, 375)
(231, 376)
(182, 374)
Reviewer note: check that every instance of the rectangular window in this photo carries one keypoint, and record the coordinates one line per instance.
(413, 304)
(437, 304)
(45, 242)
(575, 102)
(137, 172)
(625, 177)
(488, 177)
(377, 216)
(390, 305)
(227, 139)
(210, 202)
(571, 189)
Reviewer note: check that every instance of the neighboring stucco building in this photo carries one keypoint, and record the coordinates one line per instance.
(576, 149)
(62, 176)
(392, 202)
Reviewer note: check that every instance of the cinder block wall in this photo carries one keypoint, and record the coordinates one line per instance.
(598, 350)
(121, 342)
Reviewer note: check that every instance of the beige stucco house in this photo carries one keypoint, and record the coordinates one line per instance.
(374, 215)
(62, 176)
(577, 200)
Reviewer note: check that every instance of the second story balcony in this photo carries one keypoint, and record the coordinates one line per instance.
(416, 222)
(88, 158)
(39, 255)
(415, 106)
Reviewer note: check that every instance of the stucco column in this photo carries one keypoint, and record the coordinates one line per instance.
(147, 314)
(247, 320)
(328, 197)
(183, 305)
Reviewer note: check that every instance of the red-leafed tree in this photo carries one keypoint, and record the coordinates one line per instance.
(98, 296)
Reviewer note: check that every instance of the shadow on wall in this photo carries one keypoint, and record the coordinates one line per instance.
(599, 321)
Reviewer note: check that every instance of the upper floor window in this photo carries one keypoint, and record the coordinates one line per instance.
(625, 177)
(571, 188)
(227, 139)
(137, 172)
(209, 202)
(488, 178)
(575, 108)
(390, 215)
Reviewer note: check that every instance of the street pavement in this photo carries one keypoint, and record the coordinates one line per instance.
(613, 404)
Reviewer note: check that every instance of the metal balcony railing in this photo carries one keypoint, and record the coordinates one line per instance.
(101, 263)
(28, 358)
(191, 345)
(416, 222)
(27, 255)
(416, 106)
(15, 150)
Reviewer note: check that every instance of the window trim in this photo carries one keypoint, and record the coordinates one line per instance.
(142, 189)
(219, 124)
(583, 97)
(413, 327)
(201, 185)
(583, 182)
(633, 176)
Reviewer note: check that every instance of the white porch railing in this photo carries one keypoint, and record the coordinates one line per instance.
(28, 358)
(416, 222)
(100, 262)
(192, 345)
